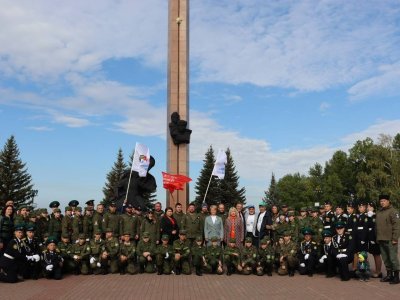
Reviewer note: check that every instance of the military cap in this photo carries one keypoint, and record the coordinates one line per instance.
(19, 227)
(362, 203)
(46, 234)
(151, 211)
(284, 206)
(146, 234)
(307, 231)
(287, 233)
(340, 224)
(38, 212)
(90, 202)
(54, 204)
(232, 240)
(183, 232)
(199, 238)
(68, 208)
(127, 233)
(57, 210)
(214, 239)
(44, 211)
(248, 240)
(262, 203)
(32, 215)
(65, 236)
(371, 203)
(30, 227)
(321, 207)
(78, 208)
(326, 233)
(98, 231)
(351, 204)
(303, 209)
(328, 202)
(108, 229)
(73, 203)
(82, 236)
(265, 240)
(165, 237)
(315, 209)
(291, 214)
(309, 208)
(23, 206)
(384, 196)
(204, 204)
(51, 240)
(113, 204)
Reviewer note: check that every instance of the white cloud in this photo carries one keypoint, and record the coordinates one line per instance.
(382, 85)
(40, 128)
(324, 106)
(69, 121)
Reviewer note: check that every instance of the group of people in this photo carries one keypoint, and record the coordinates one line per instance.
(326, 239)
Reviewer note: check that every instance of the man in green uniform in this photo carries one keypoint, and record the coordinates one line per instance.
(198, 255)
(287, 255)
(293, 226)
(387, 236)
(248, 257)
(129, 222)
(232, 257)
(146, 251)
(98, 218)
(23, 217)
(88, 222)
(80, 254)
(77, 224)
(112, 249)
(66, 223)
(55, 225)
(54, 205)
(178, 214)
(97, 247)
(213, 257)
(266, 257)
(164, 256)
(127, 255)
(193, 224)
(65, 251)
(316, 225)
(181, 248)
(111, 219)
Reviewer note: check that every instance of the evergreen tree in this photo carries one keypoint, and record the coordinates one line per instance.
(213, 194)
(270, 196)
(113, 177)
(15, 181)
(229, 186)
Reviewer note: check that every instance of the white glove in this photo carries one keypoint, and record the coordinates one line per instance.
(372, 242)
(28, 258)
(370, 214)
(322, 259)
(98, 264)
(306, 256)
(166, 255)
(341, 255)
(75, 256)
(49, 268)
(302, 265)
(92, 260)
(36, 257)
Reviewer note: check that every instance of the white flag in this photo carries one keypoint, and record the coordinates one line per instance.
(220, 162)
(141, 159)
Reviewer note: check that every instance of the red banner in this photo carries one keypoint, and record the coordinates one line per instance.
(174, 182)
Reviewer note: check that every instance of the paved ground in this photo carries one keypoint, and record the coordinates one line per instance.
(152, 286)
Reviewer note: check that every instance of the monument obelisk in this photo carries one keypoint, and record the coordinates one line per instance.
(178, 98)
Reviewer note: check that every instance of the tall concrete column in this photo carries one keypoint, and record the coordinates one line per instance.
(178, 99)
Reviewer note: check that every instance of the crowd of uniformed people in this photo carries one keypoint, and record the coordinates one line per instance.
(334, 241)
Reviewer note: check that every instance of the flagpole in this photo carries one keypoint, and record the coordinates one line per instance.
(205, 195)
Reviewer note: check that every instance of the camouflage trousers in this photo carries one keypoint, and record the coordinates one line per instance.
(145, 265)
(182, 265)
(164, 265)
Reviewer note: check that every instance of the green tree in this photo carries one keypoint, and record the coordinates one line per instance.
(229, 186)
(294, 190)
(213, 194)
(270, 196)
(15, 181)
(113, 177)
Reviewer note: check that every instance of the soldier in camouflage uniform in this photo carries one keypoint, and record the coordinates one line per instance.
(127, 255)
(42, 223)
(198, 255)
(97, 247)
(23, 217)
(112, 250)
(266, 257)
(303, 221)
(112, 219)
(65, 251)
(145, 252)
(88, 222)
(77, 224)
(55, 225)
(181, 248)
(213, 257)
(193, 224)
(151, 225)
(293, 226)
(178, 214)
(316, 225)
(287, 255)
(80, 254)
(66, 223)
(129, 222)
(232, 257)
(164, 256)
(97, 218)
(248, 257)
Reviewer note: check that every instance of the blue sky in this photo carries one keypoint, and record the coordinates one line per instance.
(284, 84)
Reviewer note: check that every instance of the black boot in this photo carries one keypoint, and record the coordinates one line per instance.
(229, 271)
(395, 278)
(177, 271)
(159, 270)
(141, 269)
(198, 271)
(388, 277)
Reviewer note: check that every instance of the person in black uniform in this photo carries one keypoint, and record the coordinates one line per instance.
(13, 257)
(307, 254)
(343, 250)
(340, 216)
(373, 246)
(33, 267)
(327, 262)
(52, 261)
(351, 228)
(329, 217)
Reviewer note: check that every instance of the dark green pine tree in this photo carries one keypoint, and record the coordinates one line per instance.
(213, 194)
(270, 196)
(229, 186)
(15, 181)
(113, 177)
